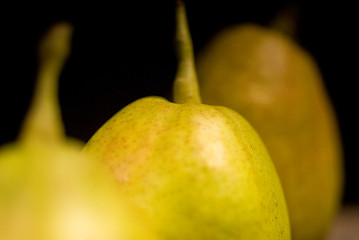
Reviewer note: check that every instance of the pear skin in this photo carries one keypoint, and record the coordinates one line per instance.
(196, 171)
(276, 85)
(49, 189)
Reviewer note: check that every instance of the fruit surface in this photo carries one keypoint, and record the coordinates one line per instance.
(49, 190)
(197, 171)
(277, 86)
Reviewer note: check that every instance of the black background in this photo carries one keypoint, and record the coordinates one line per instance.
(124, 51)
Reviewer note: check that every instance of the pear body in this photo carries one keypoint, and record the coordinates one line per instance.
(277, 86)
(196, 171)
(49, 189)
(55, 192)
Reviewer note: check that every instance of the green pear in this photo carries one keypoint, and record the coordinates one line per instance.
(196, 171)
(49, 189)
(277, 86)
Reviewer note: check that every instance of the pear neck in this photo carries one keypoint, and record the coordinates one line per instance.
(43, 121)
(186, 87)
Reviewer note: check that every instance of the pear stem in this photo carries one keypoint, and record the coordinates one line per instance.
(43, 121)
(185, 88)
(286, 21)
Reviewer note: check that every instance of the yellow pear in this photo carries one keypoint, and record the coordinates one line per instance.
(277, 86)
(197, 171)
(49, 190)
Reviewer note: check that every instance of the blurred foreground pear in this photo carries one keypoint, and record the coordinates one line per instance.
(49, 190)
(277, 86)
(197, 171)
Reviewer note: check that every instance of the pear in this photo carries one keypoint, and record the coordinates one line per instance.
(196, 171)
(277, 86)
(49, 189)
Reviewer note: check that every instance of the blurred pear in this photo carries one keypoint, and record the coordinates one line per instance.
(49, 190)
(276, 84)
